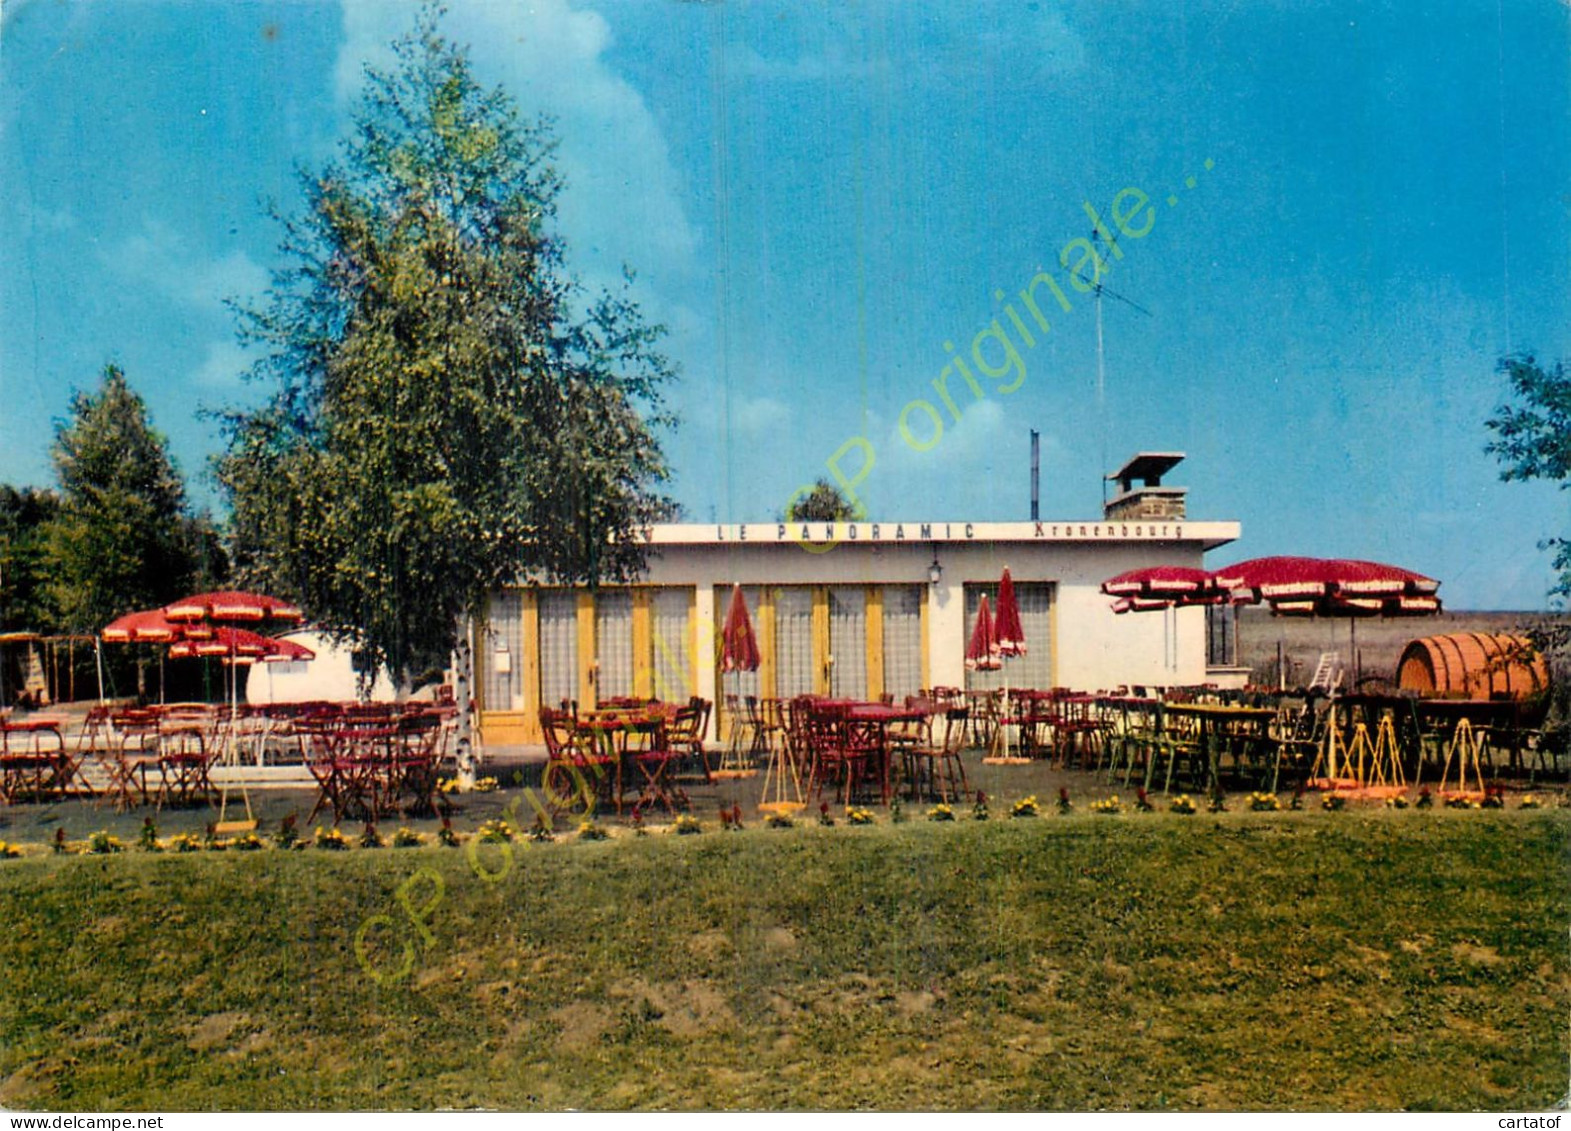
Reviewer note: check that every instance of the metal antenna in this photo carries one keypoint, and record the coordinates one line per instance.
(1101, 395)
(1101, 372)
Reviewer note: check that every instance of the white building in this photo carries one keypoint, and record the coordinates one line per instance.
(855, 610)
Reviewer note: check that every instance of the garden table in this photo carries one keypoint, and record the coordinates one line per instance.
(635, 738)
(1244, 731)
(1503, 722)
(28, 766)
(867, 732)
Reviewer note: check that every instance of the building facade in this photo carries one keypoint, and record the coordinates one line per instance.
(853, 610)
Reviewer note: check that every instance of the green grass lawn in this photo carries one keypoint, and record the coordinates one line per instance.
(1355, 960)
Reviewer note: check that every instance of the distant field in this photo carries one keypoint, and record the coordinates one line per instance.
(1363, 960)
(1380, 642)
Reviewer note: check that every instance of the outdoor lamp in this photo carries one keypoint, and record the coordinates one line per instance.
(935, 572)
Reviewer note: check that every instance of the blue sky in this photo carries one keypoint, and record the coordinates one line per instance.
(817, 198)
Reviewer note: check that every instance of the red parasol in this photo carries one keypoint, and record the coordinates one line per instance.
(1162, 587)
(982, 653)
(244, 644)
(151, 626)
(1006, 624)
(1167, 583)
(1331, 587)
(1293, 578)
(232, 605)
(738, 644)
(738, 653)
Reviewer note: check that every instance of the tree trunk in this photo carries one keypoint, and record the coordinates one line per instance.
(463, 693)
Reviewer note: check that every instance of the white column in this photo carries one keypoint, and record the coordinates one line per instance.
(946, 634)
(707, 632)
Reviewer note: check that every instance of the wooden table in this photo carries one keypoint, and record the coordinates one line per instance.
(611, 732)
(30, 767)
(1218, 723)
(1503, 722)
(867, 729)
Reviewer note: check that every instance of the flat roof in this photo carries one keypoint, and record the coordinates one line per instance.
(1208, 535)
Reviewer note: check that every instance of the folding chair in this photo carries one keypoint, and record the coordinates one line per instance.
(416, 760)
(576, 770)
(685, 735)
(938, 765)
(184, 759)
(130, 756)
(655, 764)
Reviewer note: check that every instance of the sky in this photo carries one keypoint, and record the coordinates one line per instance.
(1322, 225)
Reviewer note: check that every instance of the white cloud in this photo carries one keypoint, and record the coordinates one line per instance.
(978, 467)
(622, 202)
(160, 257)
(760, 415)
(223, 366)
(954, 41)
(53, 221)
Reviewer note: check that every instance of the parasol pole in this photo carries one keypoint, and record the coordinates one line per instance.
(1004, 726)
(231, 762)
(98, 660)
(1352, 645)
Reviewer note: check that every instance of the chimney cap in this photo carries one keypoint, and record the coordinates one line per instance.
(1149, 466)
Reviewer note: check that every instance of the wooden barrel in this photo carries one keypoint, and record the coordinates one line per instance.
(1473, 665)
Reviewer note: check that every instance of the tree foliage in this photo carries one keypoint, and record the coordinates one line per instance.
(449, 410)
(824, 503)
(1533, 436)
(25, 600)
(122, 537)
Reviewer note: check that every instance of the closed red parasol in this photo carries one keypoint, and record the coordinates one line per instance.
(1006, 623)
(738, 644)
(982, 652)
(1010, 641)
(738, 653)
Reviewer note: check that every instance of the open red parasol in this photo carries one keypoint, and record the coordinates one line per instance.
(240, 643)
(1331, 587)
(151, 626)
(1161, 583)
(1295, 578)
(1162, 587)
(230, 605)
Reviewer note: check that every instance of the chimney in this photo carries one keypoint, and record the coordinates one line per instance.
(1146, 500)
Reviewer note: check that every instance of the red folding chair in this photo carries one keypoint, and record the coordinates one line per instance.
(131, 756)
(577, 770)
(184, 759)
(654, 763)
